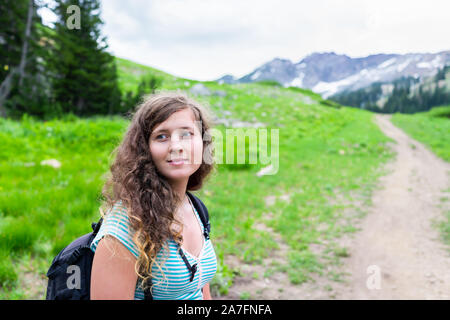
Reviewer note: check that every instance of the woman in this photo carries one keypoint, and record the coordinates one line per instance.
(149, 215)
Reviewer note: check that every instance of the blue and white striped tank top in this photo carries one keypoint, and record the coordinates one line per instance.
(176, 284)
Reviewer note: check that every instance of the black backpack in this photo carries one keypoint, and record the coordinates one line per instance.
(69, 276)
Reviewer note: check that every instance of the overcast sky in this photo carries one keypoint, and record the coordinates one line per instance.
(206, 39)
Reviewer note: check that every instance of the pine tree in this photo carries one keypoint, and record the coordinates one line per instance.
(23, 85)
(147, 85)
(12, 29)
(84, 73)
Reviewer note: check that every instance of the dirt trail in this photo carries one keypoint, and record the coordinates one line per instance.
(397, 254)
(397, 235)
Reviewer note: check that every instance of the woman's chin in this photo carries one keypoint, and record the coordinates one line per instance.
(180, 174)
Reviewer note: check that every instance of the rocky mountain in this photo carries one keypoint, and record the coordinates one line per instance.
(329, 73)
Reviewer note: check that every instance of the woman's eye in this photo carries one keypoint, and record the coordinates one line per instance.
(186, 134)
(161, 135)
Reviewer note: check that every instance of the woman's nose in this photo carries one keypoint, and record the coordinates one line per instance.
(175, 144)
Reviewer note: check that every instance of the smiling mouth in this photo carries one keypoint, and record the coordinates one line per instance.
(177, 161)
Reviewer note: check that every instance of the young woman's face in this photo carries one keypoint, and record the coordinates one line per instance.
(176, 146)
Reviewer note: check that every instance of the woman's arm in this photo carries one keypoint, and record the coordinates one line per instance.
(206, 292)
(113, 276)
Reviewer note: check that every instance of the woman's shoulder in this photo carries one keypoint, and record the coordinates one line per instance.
(117, 211)
(116, 223)
(117, 218)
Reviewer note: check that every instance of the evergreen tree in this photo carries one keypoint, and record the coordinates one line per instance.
(147, 85)
(23, 87)
(84, 73)
(12, 30)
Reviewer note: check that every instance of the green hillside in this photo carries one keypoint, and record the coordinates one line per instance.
(327, 154)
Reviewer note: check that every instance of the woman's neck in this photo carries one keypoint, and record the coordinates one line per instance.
(179, 188)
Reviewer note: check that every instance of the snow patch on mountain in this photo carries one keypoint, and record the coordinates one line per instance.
(297, 82)
(329, 88)
(387, 63)
(255, 75)
(403, 65)
(424, 65)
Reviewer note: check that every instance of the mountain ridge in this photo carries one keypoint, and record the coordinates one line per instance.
(329, 73)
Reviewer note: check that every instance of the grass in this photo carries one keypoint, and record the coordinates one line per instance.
(129, 74)
(431, 128)
(245, 296)
(324, 151)
(444, 225)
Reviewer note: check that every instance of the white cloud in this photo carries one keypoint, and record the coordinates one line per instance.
(205, 39)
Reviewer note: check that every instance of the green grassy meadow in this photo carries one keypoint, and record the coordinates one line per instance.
(325, 151)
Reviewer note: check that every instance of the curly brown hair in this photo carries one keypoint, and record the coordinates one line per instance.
(150, 201)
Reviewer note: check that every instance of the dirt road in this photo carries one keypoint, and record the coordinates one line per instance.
(397, 254)
(397, 237)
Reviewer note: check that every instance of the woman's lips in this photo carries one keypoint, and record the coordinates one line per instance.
(177, 162)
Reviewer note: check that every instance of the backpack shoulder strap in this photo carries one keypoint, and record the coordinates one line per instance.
(203, 213)
(147, 291)
(96, 226)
